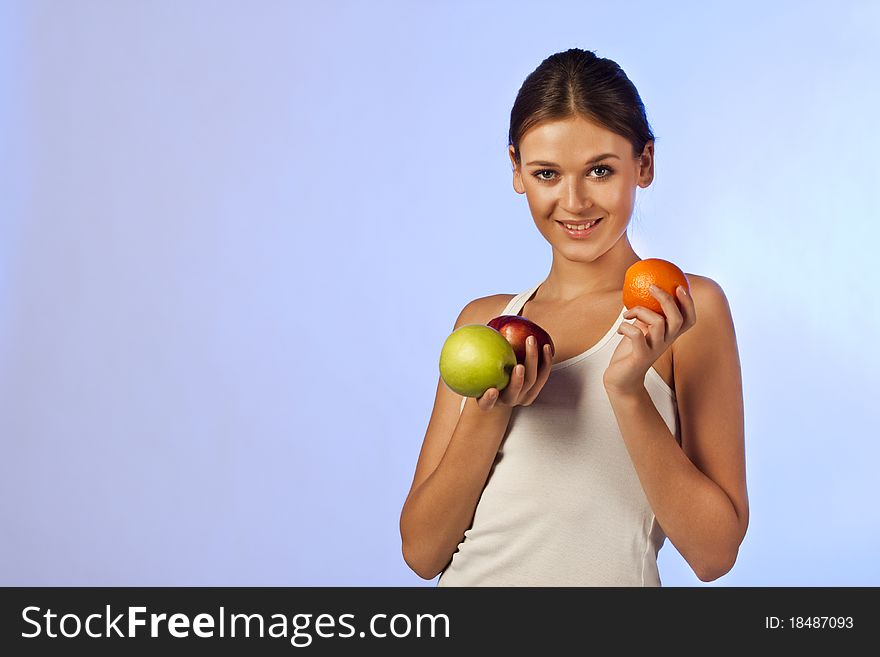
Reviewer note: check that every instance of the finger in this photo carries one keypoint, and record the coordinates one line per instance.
(487, 399)
(654, 322)
(689, 310)
(531, 362)
(647, 315)
(674, 318)
(637, 338)
(546, 364)
(511, 392)
(543, 375)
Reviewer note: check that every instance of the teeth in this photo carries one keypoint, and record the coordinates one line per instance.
(581, 227)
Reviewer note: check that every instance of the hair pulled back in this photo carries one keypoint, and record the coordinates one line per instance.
(576, 82)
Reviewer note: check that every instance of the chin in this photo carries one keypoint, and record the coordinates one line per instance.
(578, 252)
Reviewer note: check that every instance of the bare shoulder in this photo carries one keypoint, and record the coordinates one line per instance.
(712, 310)
(482, 309)
(702, 286)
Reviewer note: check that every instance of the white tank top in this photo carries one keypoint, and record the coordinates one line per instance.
(563, 505)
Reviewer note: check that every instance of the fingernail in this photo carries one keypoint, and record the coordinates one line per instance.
(683, 290)
(532, 340)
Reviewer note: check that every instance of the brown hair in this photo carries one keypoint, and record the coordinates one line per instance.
(577, 82)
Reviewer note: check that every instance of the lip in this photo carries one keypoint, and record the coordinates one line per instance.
(579, 234)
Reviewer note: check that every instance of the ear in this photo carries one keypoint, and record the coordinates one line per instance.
(646, 165)
(517, 172)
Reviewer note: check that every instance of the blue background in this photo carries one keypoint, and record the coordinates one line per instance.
(233, 237)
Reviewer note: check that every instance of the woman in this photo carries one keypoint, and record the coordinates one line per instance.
(577, 471)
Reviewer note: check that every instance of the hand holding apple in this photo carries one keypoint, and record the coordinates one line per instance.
(478, 361)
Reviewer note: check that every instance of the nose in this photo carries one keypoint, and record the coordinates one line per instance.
(575, 196)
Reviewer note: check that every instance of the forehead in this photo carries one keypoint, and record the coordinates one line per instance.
(570, 141)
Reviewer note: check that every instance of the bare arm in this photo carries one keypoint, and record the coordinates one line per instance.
(697, 491)
(438, 512)
(457, 454)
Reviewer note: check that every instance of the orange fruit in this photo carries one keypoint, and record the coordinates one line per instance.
(642, 275)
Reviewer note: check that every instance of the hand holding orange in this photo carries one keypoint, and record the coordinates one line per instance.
(643, 274)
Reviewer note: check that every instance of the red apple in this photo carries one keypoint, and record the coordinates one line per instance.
(516, 329)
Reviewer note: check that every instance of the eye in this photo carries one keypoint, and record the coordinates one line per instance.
(540, 174)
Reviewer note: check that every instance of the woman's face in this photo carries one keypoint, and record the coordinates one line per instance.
(565, 180)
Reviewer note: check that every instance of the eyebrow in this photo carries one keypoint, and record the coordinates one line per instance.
(553, 164)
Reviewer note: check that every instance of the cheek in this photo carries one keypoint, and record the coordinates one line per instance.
(619, 197)
(536, 205)
(539, 197)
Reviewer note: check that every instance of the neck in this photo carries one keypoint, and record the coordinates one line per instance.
(569, 279)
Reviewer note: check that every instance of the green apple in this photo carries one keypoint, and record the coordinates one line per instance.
(474, 358)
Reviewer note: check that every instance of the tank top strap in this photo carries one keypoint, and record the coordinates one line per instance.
(515, 305)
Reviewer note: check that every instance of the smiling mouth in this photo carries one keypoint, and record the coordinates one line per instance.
(583, 225)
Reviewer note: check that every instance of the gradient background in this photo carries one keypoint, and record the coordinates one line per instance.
(233, 237)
